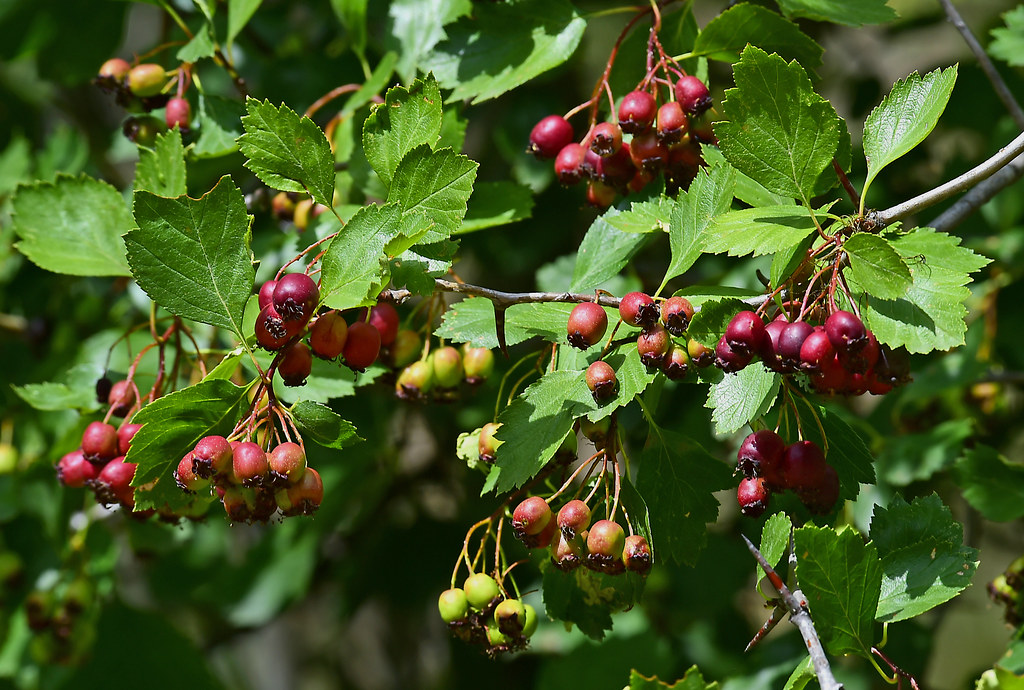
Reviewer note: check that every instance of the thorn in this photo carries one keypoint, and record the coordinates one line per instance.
(499, 328)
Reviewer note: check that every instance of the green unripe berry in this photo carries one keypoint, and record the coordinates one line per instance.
(415, 381)
(147, 79)
(447, 367)
(495, 637)
(510, 617)
(453, 605)
(406, 348)
(480, 590)
(529, 620)
(477, 363)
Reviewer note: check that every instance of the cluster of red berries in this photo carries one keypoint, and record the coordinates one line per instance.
(143, 87)
(572, 541)
(769, 466)
(251, 483)
(839, 356)
(658, 322)
(440, 373)
(478, 613)
(1006, 589)
(662, 140)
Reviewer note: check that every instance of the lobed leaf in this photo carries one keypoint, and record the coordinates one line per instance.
(416, 26)
(693, 680)
(496, 203)
(436, 184)
(738, 398)
(713, 317)
(603, 252)
(877, 267)
(77, 390)
(1008, 42)
(409, 117)
(759, 231)
(161, 169)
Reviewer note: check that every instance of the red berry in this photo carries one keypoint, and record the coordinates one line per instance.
(770, 345)
(549, 136)
(672, 122)
(791, 340)
(605, 542)
(121, 398)
(637, 112)
(115, 68)
(760, 455)
(648, 152)
(676, 313)
(296, 364)
(803, 466)
(601, 380)
(753, 495)
(606, 139)
(73, 470)
(487, 445)
(113, 484)
(185, 476)
(384, 318)
(124, 437)
(676, 363)
(250, 465)
(638, 309)
(653, 344)
(587, 323)
(267, 289)
(636, 554)
(728, 360)
(327, 335)
(600, 195)
(178, 113)
(295, 297)
(745, 333)
(99, 442)
(569, 164)
(568, 552)
(272, 331)
(823, 497)
(287, 463)
(846, 332)
(531, 516)
(830, 375)
(304, 497)
(816, 348)
(693, 95)
(573, 517)
(863, 359)
(617, 170)
(361, 346)
(212, 457)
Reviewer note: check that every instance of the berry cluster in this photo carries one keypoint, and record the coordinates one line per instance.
(479, 613)
(769, 466)
(251, 483)
(572, 541)
(439, 373)
(658, 321)
(623, 156)
(144, 87)
(1006, 589)
(839, 356)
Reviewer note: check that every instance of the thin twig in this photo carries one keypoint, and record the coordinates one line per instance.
(979, 196)
(801, 618)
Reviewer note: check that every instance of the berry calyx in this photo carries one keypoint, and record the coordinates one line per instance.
(601, 381)
(327, 335)
(676, 313)
(845, 331)
(510, 617)
(113, 484)
(693, 95)
(803, 467)
(569, 164)
(728, 360)
(212, 457)
(648, 153)
(587, 324)
(303, 497)
(636, 554)
(753, 495)
(638, 309)
(178, 113)
(453, 605)
(569, 551)
(481, 589)
(249, 464)
(447, 365)
(653, 344)
(487, 445)
(295, 297)
(296, 364)
(549, 136)
(745, 333)
(146, 79)
(760, 455)
(605, 542)
(477, 364)
(606, 139)
(531, 516)
(637, 112)
(361, 346)
(99, 442)
(272, 331)
(672, 122)
(185, 477)
(700, 354)
(287, 463)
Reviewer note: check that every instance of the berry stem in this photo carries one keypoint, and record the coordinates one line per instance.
(330, 96)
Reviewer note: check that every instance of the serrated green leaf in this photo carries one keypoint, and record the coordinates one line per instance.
(849, 12)
(192, 256)
(418, 267)
(738, 398)
(677, 479)
(774, 543)
(1008, 42)
(239, 14)
(709, 195)
(587, 598)
(436, 184)
(603, 252)
(286, 151)
(877, 267)
(746, 190)
(73, 225)
(171, 427)
(787, 260)
(840, 577)
(200, 46)
(161, 169)
(639, 516)
(323, 425)
(905, 117)
(415, 27)
(220, 124)
(924, 560)
(505, 45)
(693, 680)
(728, 34)
(909, 458)
(496, 203)
(355, 266)
(472, 321)
(759, 231)
(77, 390)
(931, 314)
(778, 130)
(991, 484)
(643, 216)
(534, 425)
(711, 320)
(409, 117)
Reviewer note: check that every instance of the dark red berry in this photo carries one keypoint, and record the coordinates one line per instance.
(753, 495)
(569, 164)
(790, 341)
(273, 332)
(73, 470)
(637, 112)
(361, 346)
(672, 122)
(816, 348)
(304, 497)
(384, 318)
(676, 313)
(760, 455)
(587, 324)
(212, 457)
(530, 518)
(830, 376)
(601, 380)
(693, 95)
(653, 344)
(295, 297)
(99, 442)
(573, 517)
(846, 331)
(544, 539)
(770, 345)
(124, 437)
(267, 289)
(676, 363)
(121, 398)
(327, 335)
(606, 139)
(617, 170)
(605, 542)
(178, 113)
(296, 364)
(803, 466)
(638, 309)
(287, 463)
(861, 360)
(821, 499)
(745, 333)
(636, 554)
(549, 136)
(728, 360)
(103, 386)
(648, 152)
(250, 465)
